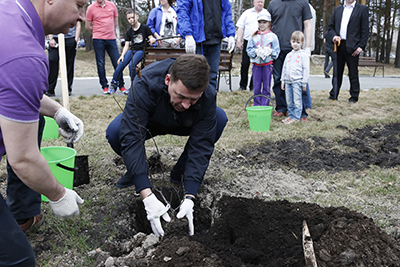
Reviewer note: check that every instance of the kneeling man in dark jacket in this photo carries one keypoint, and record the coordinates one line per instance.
(171, 97)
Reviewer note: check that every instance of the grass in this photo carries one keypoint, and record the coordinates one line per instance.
(373, 191)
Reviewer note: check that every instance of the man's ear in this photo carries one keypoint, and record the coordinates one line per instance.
(167, 79)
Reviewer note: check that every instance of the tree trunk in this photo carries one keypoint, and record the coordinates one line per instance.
(397, 59)
(378, 30)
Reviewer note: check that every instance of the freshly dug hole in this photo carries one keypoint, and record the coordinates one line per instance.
(251, 232)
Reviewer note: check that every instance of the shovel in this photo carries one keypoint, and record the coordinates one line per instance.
(81, 170)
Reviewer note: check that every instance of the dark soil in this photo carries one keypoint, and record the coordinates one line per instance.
(236, 231)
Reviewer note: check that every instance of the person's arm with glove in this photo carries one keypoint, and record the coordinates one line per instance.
(155, 209)
(186, 210)
(71, 127)
(190, 45)
(23, 154)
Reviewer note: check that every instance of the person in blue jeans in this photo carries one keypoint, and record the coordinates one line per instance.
(295, 74)
(101, 20)
(173, 96)
(137, 36)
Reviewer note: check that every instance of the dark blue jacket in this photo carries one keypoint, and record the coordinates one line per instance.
(148, 107)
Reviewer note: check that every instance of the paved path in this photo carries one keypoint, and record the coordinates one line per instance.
(90, 86)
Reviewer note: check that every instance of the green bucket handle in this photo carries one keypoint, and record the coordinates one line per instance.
(62, 166)
(251, 98)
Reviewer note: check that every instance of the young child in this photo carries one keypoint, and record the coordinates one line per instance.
(137, 36)
(295, 74)
(262, 49)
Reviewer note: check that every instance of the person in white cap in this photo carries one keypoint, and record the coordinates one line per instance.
(246, 25)
(263, 48)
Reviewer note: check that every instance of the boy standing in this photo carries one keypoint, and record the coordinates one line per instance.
(295, 74)
(137, 35)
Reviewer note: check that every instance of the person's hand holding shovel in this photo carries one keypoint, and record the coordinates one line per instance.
(71, 127)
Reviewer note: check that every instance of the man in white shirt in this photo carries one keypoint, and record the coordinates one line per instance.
(247, 25)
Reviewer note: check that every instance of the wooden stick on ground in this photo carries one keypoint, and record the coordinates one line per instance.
(308, 247)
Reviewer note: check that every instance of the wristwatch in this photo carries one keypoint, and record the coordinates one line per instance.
(189, 197)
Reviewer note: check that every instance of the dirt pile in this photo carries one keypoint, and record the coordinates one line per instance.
(251, 232)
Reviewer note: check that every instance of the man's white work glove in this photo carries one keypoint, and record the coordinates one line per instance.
(186, 210)
(231, 44)
(67, 206)
(308, 51)
(156, 209)
(190, 45)
(71, 127)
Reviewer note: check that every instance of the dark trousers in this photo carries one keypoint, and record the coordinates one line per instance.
(22, 201)
(15, 249)
(70, 53)
(244, 69)
(280, 97)
(329, 54)
(343, 57)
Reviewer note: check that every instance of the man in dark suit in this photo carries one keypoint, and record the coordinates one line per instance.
(348, 29)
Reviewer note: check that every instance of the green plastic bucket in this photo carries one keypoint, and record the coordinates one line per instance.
(61, 161)
(50, 130)
(259, 116)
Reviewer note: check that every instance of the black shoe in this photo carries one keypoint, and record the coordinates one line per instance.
(50, 94)
(242, 88)
(125, 181)
(352, 101)
(331, 98)
(326, 74)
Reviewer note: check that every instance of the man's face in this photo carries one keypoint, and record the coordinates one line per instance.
(180, 96)
(349, 2)
(258, 5)
(61, 15)
(100, 2)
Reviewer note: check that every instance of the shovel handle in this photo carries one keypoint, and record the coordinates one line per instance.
(62, 166)
(251, 98)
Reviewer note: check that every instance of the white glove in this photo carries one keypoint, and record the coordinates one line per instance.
(67, 206)
(267, 51)
(186, 210)
(231, 44)
(259, 52)
(155, 209)
(71, 127)
(190, 45)
(308, 51)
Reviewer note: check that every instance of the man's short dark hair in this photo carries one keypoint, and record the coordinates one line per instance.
(192, 70)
